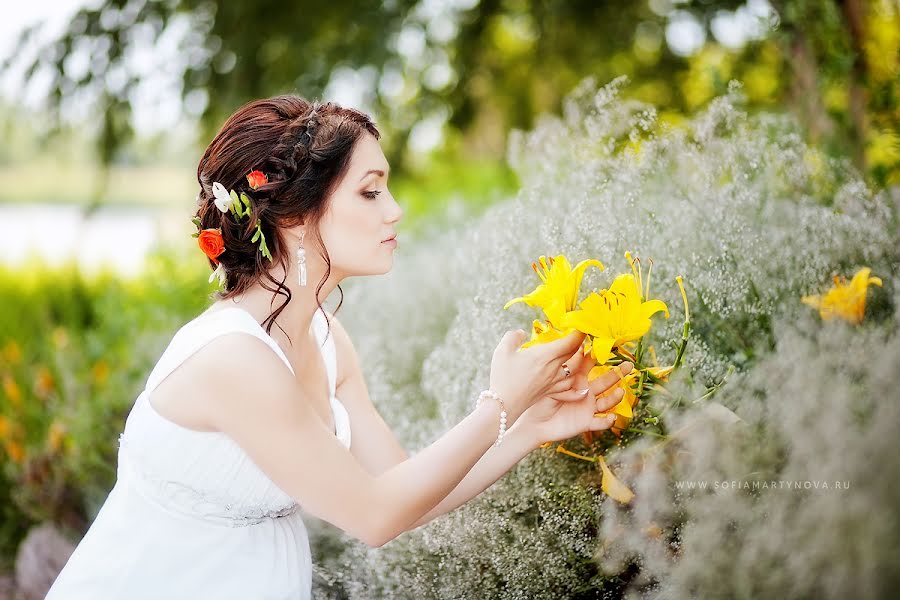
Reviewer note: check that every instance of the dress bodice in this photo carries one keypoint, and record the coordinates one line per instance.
(207, 474)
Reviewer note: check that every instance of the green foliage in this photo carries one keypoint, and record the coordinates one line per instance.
(75, 353)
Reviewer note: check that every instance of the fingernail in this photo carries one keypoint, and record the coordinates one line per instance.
(628, 366)
(584, 391)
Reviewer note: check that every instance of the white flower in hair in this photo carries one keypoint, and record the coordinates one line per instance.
(223, 198)
(220, 272)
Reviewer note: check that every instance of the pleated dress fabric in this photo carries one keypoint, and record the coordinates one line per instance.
(191, 515)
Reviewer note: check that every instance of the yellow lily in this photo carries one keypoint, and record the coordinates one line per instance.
(558, 293)
(614, 317)
(845, 301)
(624, 410)
(543, 332)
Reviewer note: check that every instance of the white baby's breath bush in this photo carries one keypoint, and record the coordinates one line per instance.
(752, 218)
(821, 410)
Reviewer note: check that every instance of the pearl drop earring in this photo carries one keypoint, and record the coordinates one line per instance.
(301, 260)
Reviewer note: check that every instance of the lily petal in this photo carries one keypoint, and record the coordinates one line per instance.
(613, 488)
(651, 307)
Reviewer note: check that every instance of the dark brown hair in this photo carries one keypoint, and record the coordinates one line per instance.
(304, 150)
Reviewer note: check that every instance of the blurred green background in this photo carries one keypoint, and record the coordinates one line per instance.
(106, 113)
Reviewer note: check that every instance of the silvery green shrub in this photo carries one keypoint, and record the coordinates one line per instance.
(752, 218)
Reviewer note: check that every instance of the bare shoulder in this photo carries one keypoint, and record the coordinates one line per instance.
(246, 374)
(215, 378)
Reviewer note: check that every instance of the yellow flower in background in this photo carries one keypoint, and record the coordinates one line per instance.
(12, 354)
(4, 427)
(56, 435)
(100, 372)
(12, 391)
(846, 301)
(614, 317)
(559, 291)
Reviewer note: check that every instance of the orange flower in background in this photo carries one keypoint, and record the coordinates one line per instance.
(211, 242)
(44, 383)
(15, 451)
(12, 391)
(256, 179)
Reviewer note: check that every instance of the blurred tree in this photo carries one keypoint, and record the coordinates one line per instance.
(483, 67)
(843, 75)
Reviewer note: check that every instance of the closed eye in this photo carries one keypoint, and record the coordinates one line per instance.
(372, 194)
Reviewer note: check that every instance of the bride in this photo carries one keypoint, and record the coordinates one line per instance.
(250, 410)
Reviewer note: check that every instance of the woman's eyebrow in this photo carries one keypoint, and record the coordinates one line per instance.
(379, 172)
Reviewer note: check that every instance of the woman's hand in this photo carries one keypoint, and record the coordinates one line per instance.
(557, 417)
(523, 376)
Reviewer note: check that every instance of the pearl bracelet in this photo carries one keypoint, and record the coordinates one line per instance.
(486, 394)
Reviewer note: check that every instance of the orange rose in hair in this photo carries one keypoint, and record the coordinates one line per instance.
(256, 179)
(211, 242)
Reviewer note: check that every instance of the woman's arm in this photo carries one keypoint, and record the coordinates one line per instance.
(374, 444)
(517, 443)
(265, 413)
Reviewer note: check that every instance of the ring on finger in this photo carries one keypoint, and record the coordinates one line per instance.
(566, 369)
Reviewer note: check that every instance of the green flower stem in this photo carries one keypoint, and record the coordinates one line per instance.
(645, 432)
(685, 336)
(640, 389)
(717, 386)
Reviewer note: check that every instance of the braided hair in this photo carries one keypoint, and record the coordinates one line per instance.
(304, 150)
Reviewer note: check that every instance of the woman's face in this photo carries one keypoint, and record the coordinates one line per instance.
(362, 214)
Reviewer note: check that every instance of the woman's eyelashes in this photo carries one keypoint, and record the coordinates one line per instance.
(371, 194)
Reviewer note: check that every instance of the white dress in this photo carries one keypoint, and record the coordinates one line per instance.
(190, 515)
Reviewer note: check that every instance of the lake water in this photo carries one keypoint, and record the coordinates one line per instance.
(116, 237)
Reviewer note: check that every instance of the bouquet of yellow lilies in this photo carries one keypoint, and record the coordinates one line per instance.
(615, 320)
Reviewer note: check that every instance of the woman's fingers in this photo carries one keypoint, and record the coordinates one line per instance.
(570, 395)
(562, 385)
(611, 378)
(602, 422)
(577, 379)
(559, 350)
(608, 401)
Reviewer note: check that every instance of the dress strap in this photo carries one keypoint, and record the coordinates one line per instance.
(326, 347)
(329, 354)
(200, 331)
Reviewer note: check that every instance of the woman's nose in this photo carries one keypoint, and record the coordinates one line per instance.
(396, 213)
